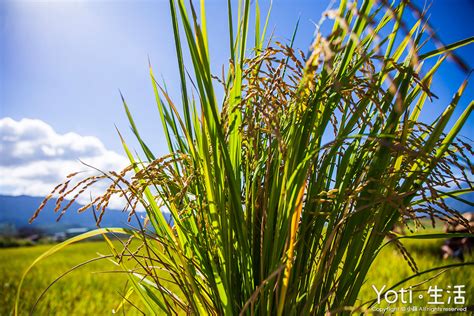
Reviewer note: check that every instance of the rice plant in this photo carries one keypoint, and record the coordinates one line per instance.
(282, 194)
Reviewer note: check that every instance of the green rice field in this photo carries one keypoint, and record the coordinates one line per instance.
(89, 290)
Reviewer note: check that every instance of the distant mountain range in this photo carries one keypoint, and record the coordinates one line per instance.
(15, 211)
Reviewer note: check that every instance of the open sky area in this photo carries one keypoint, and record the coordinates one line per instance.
(62, 64)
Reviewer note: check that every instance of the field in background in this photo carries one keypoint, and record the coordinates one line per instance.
(82, 292)
(86, 293)
(390, 267)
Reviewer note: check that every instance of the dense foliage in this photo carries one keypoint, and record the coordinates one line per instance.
(282, 194)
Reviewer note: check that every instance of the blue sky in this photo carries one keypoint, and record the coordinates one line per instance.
(62, 62)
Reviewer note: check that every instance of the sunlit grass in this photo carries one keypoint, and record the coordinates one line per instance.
(89, 293)
(84, 291)
(390, 267)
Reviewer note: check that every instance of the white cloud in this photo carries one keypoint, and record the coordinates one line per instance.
(34, 158)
